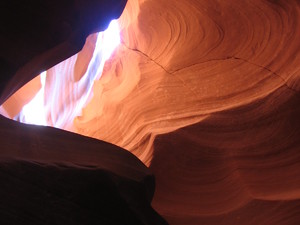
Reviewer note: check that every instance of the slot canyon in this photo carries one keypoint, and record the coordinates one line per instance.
(176, 112)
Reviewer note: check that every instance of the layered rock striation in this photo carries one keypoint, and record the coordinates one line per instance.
(206, 94)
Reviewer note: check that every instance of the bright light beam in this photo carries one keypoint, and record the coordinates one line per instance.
(34, 112)
(111, 39)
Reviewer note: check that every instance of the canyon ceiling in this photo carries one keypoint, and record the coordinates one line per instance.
(202, 95)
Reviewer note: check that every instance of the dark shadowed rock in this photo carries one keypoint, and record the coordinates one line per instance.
(50, 176)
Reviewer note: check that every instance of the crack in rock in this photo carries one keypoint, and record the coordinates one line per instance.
(145, 55)
(221, 59)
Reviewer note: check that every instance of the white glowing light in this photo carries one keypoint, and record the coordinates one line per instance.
(33, 112)
(73, 95)
(111, 39)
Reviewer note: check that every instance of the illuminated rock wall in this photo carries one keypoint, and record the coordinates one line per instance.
(179, 63)
(209, 91)
(205, 93)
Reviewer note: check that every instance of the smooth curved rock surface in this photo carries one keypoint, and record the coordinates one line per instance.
(181, 62)
(206, 93)
(230, 68)
(236, 167)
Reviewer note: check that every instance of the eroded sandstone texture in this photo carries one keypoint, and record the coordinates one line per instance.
(206, 94)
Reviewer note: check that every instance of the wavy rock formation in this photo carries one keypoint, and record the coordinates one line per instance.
(173, 70)
(205, 93)
(231, 69)
(238, 166)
